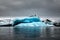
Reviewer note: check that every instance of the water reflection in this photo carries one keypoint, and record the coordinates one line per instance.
(24, 33)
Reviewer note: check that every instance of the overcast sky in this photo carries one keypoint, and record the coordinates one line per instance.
(43, 8)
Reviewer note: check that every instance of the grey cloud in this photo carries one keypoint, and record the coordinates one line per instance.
(27, 7)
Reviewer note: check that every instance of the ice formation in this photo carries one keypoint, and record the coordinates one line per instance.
(29, 27)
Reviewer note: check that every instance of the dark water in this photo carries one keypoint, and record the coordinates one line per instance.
(6, 33)
(25, 33)
(10, 33)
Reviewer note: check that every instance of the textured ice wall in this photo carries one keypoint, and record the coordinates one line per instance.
(30, 28)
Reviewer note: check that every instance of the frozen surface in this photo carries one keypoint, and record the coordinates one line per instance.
(26, 20)
(32, 24)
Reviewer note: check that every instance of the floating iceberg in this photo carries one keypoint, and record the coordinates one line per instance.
(26, 20)
(29, 21)
(29, 27)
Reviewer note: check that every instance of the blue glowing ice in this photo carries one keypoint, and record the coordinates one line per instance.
(26, 20)
(29, 27)
(31, 21)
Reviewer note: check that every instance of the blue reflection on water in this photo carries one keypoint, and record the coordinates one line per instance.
(27, 32)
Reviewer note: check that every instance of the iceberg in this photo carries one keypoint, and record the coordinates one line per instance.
(26, 20)
(29, 21)
(29, 27)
